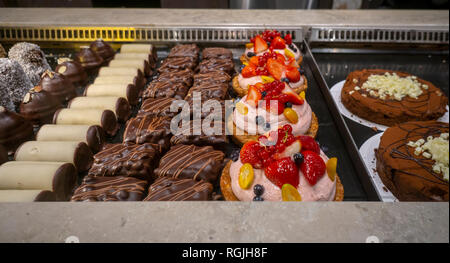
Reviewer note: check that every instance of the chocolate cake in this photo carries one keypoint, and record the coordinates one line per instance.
(14, 129)
(182, 76)
(165, 89)
(209, 91)
(173, 189)
(158, 107)
(57, 85)
(404, 166)
(217, 64)
(129, 160)
(189, 135)
(117, 188)
(365, 101)
(31, 58)
(104, 50)
(73, 71)
(185, 50)
(191, 162)
(148, 129)
(217, 52)
(212, 77)
(89, 60)
(39, 106)
(14, 84)
(177, 63)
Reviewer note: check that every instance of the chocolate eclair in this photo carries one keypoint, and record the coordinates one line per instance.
(104, 50)
(72, 70)
(39, 106)
(57, 85)
(89, 60)
(14, 130)
(392, 97)
(412, 161)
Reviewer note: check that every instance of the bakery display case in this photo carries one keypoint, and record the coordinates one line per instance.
(333, 44)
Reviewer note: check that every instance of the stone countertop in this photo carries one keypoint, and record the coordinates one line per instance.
(223, 17)
(235, 222)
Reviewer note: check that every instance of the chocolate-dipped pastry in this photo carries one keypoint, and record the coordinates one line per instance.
(142, 65)
(104, 50)
(3, 155)
(89, 60)
(150, 58)
(182, 76)
(60, 87)
(103, 118)
(72, 71)
(211, 77)
(32, 60)
(129, 160)
(409, 171)
(159, 107)
(137, 74)
(217, 52)
(76, 153)
(117, 188)
(93, 135)
(210, 108)
(58, 177)
(120, 79)
(132, 50)
(148, 129)
(118, 105)
(213, 136)
(39, 106)
(177, 63)
(165, 89)
(191, 162)
(185, 50)
(173, 189)
(2, 52)
(14, 84)
(14, 130)
(214, 64)
(27, 196)
(129, 91)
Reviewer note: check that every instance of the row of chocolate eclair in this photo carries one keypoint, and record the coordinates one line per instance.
(79, 123)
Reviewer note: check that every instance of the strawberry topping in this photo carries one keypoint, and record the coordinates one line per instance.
(313, 167)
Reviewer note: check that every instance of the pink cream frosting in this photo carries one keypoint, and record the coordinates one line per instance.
(248, 122)
(323, 190)
(244, 82)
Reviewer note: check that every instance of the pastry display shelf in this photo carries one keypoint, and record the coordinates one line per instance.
(218, 221)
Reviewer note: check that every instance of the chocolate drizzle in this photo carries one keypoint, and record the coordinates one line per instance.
(166, 89)
(148, 129)
(172, 189)
(395, 158)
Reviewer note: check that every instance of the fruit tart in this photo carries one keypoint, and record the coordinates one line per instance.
(271, 40)
(268, 106)
(269, 67)
(280, 166)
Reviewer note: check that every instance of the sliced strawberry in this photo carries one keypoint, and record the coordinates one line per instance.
(249, 71)
(253, 96)
(260, 86)
(313, 167)
(292, 96)
(275, 68)
(260, 44)
(254, 60)
(249, 154)
(293, 74)
(309, 144)
(282, 171)
(278, 43)
(274, 106)
(292, 63)
(280, 58)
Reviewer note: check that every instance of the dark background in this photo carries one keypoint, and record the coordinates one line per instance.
(236, 4)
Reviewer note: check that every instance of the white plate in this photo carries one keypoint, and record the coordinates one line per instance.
(336, 94)
(367, 152)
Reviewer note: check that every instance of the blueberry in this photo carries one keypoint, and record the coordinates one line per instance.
(258, 198)
(258, 189)
(263, 94)
(288, 105)
(250, 54)
(298, 158)
(259, 120)
(291, 46)
(266, 126)
(285, 80)
(302, 71)
(235, 155)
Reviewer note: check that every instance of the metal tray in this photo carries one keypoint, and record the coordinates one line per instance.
(333, 136)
